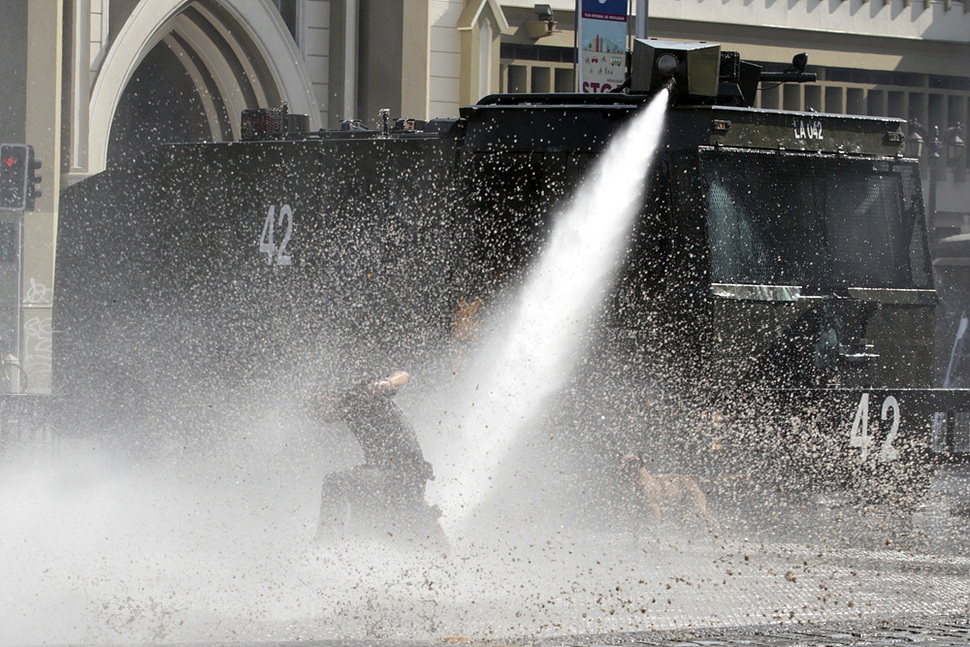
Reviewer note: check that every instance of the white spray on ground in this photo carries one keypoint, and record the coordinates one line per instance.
(529, 355)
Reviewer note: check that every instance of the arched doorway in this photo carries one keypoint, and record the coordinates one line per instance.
(185, 70)
(160, 104)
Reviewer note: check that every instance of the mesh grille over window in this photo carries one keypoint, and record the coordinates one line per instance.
(797, 219)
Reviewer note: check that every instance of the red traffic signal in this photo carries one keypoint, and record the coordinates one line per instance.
(18, 177)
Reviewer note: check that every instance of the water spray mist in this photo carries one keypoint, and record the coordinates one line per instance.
(530, 354)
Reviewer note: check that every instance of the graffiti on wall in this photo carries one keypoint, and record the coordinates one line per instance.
(37, 345)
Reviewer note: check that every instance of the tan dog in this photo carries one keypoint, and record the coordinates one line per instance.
(654, 496)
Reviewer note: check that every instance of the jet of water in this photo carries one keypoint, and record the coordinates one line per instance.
(530, 355)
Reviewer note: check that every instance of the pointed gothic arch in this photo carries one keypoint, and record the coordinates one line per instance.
(235, 54)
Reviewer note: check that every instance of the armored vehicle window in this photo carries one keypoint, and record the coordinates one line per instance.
(867, 236)
(794, 219)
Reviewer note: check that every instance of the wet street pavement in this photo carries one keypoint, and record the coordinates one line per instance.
(921, 631)
(106, 566)
(841, 574)
(929, 555)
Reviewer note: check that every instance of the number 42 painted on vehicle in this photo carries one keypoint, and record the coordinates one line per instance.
(859, 434)
(276, 255)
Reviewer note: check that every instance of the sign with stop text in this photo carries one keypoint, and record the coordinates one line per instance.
(601, 38)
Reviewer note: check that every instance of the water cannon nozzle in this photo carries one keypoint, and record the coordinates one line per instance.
(667, 65)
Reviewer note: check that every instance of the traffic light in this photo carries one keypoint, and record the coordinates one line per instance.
(18, 177)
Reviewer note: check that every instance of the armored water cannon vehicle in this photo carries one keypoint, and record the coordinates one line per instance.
(778, 276)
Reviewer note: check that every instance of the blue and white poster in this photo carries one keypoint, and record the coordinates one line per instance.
(601, 37)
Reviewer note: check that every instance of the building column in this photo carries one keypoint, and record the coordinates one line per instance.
(343, 62)
(45, 23)
(415, 58)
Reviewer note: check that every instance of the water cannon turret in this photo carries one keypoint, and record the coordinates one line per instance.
(687, 69)
(702, 73)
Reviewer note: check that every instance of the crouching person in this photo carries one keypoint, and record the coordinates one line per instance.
(386, 495)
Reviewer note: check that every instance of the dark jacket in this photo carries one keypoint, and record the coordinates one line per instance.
(384, 433)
